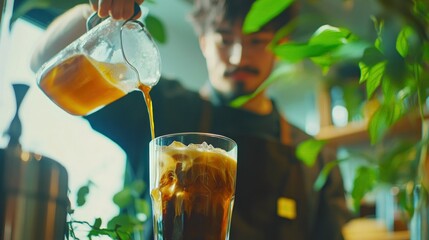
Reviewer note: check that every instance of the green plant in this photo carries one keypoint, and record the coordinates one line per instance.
(121, 226)
(394, 67)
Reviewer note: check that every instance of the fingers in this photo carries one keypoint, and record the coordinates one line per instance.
(128, 9)
(117, 9)
(104, 8)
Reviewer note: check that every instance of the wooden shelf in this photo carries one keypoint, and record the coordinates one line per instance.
(357, 132)
(371, 229)
(352, 133)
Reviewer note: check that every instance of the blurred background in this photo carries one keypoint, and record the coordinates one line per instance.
(89, 157)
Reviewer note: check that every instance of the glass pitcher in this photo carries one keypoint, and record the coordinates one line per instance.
(109, 61)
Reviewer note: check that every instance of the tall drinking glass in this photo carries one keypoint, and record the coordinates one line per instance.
(192, 184)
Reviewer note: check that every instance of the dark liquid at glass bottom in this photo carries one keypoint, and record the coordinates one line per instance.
(211, 225)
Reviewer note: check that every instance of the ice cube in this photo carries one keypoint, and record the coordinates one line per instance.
(177, 144)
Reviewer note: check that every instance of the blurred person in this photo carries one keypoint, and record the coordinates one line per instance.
(275, 198)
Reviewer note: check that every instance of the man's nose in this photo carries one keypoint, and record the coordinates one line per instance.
(236, 53)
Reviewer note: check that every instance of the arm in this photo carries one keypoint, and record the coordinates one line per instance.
(60, 33)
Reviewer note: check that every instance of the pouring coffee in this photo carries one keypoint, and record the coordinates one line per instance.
(112, 59)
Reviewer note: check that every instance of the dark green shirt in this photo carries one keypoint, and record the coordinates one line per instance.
(267, 170)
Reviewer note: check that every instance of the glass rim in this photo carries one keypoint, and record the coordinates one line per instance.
(207, 134)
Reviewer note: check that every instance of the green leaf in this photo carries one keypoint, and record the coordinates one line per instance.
(386, 115)
(372, 56)
(425, 51)
(327, 45)
(378, 43)
(399, 163)
(294, 52)
(101, 232)
(388, 89)
(261, 12)
(372, 66)
(375, 76)
(129, 193)
(402, 45)
(379, 26)
(350, 51)
(82, 193)
(323, 175)
(364, 182)
(364, 72)
(156, 28)
(142, 206)
(123, 235)
(124, 223)
(353, 99)
(329, 35)
(406, 199)
(123, 198)
(378, 125)
(97, 223)
(308, 151)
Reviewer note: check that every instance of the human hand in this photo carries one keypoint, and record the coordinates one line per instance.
(117, 9)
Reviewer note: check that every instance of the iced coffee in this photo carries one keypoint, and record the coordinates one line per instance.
(192, 191)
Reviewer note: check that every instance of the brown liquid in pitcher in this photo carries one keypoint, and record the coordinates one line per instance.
(81, 85)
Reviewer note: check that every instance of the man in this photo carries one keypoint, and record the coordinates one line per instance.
(275, 198)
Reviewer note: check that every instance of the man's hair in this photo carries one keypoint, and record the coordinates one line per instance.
(206, 13)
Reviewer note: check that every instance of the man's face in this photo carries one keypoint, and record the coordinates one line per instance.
(237, 63)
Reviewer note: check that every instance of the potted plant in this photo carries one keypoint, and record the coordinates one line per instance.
(394, 70)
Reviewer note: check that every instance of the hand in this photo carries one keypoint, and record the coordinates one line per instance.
(117, 9)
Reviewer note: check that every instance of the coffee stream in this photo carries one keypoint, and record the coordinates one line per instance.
(146, 90)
